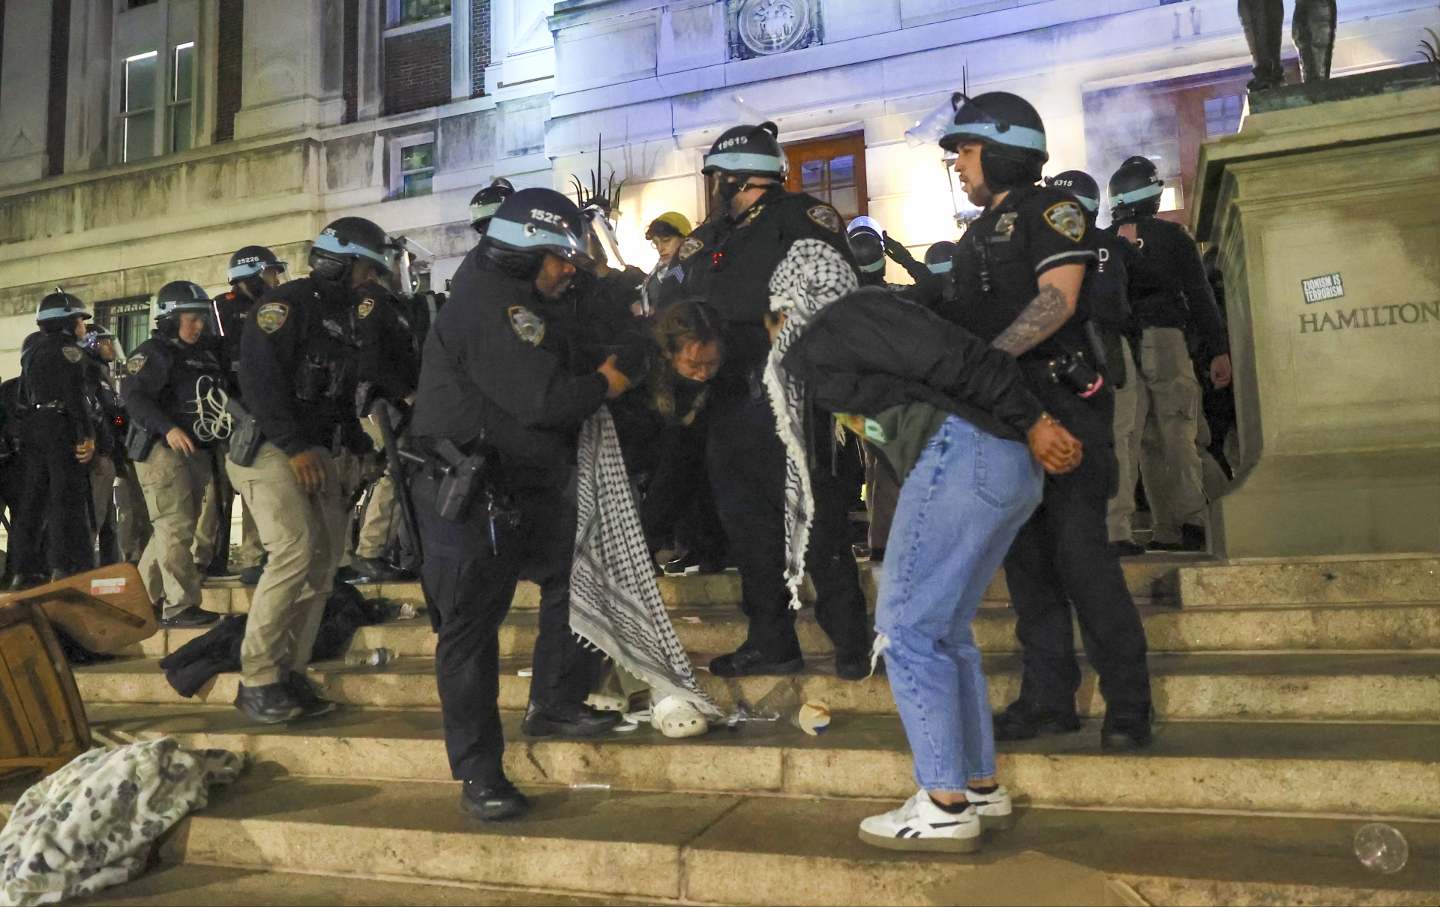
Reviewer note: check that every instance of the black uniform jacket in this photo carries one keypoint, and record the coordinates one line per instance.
(52, 376)
(160, 392)
(110, 412)
(729, 262)
(389, 352)
(234, 309)
(871, 351)
(1168, 286)
(312, 324)
(488, 375)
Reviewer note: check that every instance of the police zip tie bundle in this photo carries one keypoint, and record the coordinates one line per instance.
(213, 421)
(615, 605)
(812, 275)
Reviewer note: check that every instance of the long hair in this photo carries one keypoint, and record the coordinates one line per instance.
(679, 325)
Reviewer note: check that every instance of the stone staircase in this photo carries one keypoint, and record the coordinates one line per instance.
(1297, 700)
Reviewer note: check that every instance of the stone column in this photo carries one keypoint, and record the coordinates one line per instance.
(292, 65)
(88, 89)
(25, 92)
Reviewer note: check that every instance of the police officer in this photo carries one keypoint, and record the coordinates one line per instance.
(50, 535)
(1018, 274)
(486, 202)
(299, 367)
(494, 382)
(171, 394)
(1171, 298)
(729, 260)
(110, 423)
(872, 245)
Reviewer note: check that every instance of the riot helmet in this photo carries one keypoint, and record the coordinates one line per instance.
(95, 335)
(247, 267)
(1010, 132)
(1081, 185)
(486, 202)
(59, 309)
(345, 242)
(179, 296)
(867, 243)
(1135, 190)
(940, 256)
(747, 151)
(530, 224)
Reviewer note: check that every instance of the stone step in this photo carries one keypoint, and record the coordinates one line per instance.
(720, 628)
(1267, 687)
(1390, 579)
(1150, 578)
(764, 850)
(1375, 770)
(186, 885)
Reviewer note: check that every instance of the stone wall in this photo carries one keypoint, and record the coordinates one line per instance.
(417, 70)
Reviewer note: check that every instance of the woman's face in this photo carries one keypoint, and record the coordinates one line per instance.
(697, 361)
(191, 326)
(667, 246)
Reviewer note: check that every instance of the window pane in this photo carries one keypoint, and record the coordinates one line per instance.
(846, 201)
(1222, 115)
(140, 81)
(419, 10)
(417, 157)
(842, 170)
(812, 176)
(133, 330)
(184, 73)
(180, 138)
(139, 139)
(416, 184)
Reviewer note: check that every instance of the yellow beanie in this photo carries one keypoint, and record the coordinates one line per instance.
(672, 219)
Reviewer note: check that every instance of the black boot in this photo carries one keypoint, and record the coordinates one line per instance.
(1313, 29)
(1126, 728)
(746, 662)
(493, 802)
(193, 616)
(271, 703)
(1022, 720)
(1264, 22)
(313, 705)
(570, 720)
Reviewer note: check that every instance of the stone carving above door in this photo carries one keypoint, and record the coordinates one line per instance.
(764, 27)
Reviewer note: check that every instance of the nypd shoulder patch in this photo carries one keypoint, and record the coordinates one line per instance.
(71, 353)
(827, 217)
(271, 316)
(135, 363)
(365, 307)
(1067, 219)
(528, 326)
(690, 247)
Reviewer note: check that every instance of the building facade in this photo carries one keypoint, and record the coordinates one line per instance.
(142, 141)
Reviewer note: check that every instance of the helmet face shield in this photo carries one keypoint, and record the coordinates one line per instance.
(930, 128)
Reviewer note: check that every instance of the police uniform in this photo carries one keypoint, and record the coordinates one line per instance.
(51, 530)
(729, 262)
(298, 375)
(110, 421)
(159, 394)
(1061, 556)
(496, 376)
(1157, 423)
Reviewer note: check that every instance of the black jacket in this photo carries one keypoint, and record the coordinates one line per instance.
(52, 375)
(870, 351)
(1169, 288)
(160, 393)
(389, 352)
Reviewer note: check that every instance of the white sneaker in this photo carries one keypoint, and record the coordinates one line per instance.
(921, 825)
(993, 808)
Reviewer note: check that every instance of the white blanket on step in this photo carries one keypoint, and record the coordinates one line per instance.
(91, 824)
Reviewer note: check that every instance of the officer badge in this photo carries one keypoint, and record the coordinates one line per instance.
(365, 307)
(1066, 219)
(827, 217)
(690, 247)
(750, 215)
(271, 316)
(135, 363)
(1006, 224)
(528, 326)
(71, 353)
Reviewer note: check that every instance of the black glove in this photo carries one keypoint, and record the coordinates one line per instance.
(918, 272)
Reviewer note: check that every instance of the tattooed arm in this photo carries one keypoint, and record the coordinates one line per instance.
(1047, 312)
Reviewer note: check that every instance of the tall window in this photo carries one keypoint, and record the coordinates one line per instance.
(138, 126)
(412, 165)
(182, 89)
(156, 87)
(128, 319)
(404, 12)
(831, 169)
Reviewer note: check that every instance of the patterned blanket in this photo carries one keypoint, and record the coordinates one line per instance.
(615, 604)
(90, 825)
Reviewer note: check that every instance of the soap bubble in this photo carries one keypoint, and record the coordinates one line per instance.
(1381, 848)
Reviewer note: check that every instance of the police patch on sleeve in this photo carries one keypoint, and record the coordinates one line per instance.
(271, 316)
(1067, 219)
(528, 326)
(70, 353)
(827, 217)
(135, 363)
(690, 247)
(365, 307)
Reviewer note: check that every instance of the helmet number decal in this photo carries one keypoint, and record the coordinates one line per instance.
(271, 316)
(1067, 219)
(135, 363)
(528, 326)
(827, 217)
(71, 353)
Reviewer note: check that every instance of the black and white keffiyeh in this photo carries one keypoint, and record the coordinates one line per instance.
(812, 276)
(615, 604)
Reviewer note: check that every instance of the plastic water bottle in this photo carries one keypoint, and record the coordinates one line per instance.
(407, 612)
(1381, 848)
(372, 658)
(783, 705)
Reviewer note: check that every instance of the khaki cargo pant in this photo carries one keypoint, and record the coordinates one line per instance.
(1157, 430)
(132, 520)
(304, 539)
(174, 485)
(379, 518)
(208, 530)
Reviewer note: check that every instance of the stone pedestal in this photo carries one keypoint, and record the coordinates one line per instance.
(1327, 215)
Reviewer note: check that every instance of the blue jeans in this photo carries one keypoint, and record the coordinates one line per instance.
(959, 510)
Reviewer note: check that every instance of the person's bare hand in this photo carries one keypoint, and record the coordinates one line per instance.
(309, 471)
(617, 380)
(1053, 446)
(85, 450)
(180, 442)
(1220, 374)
